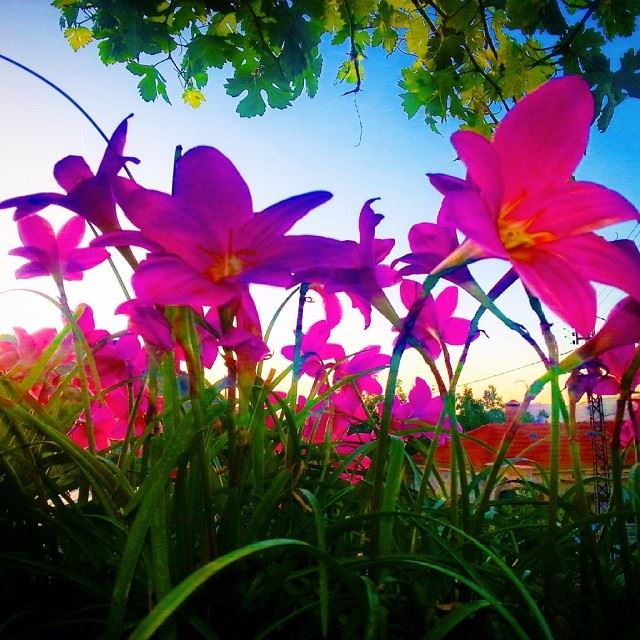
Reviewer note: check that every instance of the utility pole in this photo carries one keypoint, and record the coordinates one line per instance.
(602, 489)
(602, 493)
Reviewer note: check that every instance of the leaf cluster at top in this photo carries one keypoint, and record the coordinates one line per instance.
(465, 59)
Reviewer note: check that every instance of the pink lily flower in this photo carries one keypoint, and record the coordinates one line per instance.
(435, 324)
(591, 378)
(19, 354)
(599, 364)
(356, 268)
(110, 421)
(622, 329)
(519, 203)
(54, 254)
(149, 323)
(420, 409)
(103, 422)
(331, 304)
(342, 419)
(430, 244)
(368, 359)
(119, 359)
(206, 243)
(88, 195)
(316, 350)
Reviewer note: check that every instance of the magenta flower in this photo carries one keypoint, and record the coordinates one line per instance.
(331, 304)
(119, 360)
(88, 195)
(206, 242)
(54, 254)
(519, 203)
(435, 324)
(621, 331)
(592, 378)
(354, 267)
(430, 244)
(365, 365)
(342, 420)
(110, 420)
(421, 410)
(316, 350)
(149, 323)
(20, 353)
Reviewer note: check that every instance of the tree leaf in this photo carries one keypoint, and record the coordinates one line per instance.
(193, 97)
(78, 37)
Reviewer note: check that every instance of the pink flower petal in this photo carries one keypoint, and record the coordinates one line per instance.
(605, 262)
(208, 184)
(420, 394)
(71, 171)
(541, 141)
(363, 306)
(276, 220)
(168, 280)
(410, 291)
(35, 231)
(617, 360)
(446, 303)
(31, 270)
(332, 306)
(169, 225)
(113, 161)
(456, 331)
(483, 164)
(86, 258)
(575, 208)
(70, 235)
(554, 280)
(607, 386)
(126, 238)
(468, 212)
(367, 223)
(26, 205)
(446, 184)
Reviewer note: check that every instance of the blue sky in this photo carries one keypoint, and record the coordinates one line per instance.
(315, 144)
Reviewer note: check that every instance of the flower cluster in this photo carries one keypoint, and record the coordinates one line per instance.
(204, 246)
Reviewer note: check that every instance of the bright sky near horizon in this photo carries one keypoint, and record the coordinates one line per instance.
(357, 149)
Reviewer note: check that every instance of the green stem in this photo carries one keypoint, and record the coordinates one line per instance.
(617, 497)
(383, 444)
(84, 382)
(297, 348)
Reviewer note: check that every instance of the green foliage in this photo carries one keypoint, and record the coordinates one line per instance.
(467, 60)
(473, 412)
(218, 524)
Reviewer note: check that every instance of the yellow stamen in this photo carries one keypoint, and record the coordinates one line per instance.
(224, 266)
(515, 233)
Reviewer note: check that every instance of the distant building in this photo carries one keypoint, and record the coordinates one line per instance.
(529, 453)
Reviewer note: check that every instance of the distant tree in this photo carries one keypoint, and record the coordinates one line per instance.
(468, 60)
(542, 416)
(473, 412)
(496, 415)
(527, 417)
(491, 399)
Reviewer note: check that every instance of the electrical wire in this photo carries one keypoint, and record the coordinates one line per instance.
(502, 373)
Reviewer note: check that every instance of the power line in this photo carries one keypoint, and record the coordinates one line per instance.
(502, 373)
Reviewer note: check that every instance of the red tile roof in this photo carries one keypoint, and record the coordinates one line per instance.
(531, 445)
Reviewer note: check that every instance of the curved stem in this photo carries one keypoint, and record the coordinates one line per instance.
(297, 348)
